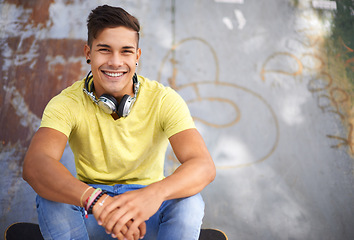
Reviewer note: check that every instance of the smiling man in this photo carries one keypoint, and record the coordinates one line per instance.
(113, 62)
(118, 126)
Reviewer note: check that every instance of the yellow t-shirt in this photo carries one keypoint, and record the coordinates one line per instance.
(129, 150)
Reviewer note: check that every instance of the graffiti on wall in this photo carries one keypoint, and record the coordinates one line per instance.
(220, 105)
(331, 93)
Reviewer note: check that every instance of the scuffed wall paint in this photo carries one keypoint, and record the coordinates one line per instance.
(34, 65)
(37, 62)
(270, 96)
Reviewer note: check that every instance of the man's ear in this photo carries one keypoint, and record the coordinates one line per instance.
(87, 51)
(138, 54)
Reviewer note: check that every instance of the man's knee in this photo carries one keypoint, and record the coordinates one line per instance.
(60, 220)
(191, 208)
(181, 218)
(194, 203)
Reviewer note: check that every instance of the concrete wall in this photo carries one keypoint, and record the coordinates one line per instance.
(269, 89)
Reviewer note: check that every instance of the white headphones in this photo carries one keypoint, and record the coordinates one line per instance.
(108, 103)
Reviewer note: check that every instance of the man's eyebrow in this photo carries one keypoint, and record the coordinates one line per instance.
(107, 46)
(103, 45)
(128, 47)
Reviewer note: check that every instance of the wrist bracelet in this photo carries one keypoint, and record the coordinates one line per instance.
(92, 198)
(101, 203)
(95, 201)
(82, 195)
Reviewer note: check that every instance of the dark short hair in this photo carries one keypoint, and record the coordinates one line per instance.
(109, 17)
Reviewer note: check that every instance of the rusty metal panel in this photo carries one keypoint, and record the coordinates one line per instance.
(269, 84)
(34, 68)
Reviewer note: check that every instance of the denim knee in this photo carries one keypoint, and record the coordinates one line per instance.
(60, 221)
(181, 218)
(191, 208)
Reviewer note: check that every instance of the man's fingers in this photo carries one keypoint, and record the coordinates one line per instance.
(122, 221)
(137, 234)
(124, 229)
(115, 221)
(111, 204)
(122, 232)
(142, 228)
(135, 227)
(118, 236)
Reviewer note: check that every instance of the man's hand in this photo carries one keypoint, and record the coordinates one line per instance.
(97, 210)
(129, 210)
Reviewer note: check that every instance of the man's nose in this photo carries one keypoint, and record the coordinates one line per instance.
(115, 60)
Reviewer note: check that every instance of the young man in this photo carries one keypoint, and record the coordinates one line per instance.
(118, 126)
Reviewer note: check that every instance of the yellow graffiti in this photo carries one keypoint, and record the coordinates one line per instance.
(330, 98)
(195, 85)
(281, 54)
(345, 141)
(321, 77)
(320, 62)
(222, 100)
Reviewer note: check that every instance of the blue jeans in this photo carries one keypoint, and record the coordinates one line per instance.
(176, 219)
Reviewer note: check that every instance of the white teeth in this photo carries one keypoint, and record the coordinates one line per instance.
(113, 74)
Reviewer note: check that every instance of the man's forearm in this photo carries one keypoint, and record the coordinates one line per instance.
(43, 171)
(54, 182)
(197, 169)
(189, 179)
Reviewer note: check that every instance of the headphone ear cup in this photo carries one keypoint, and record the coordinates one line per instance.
(108, 103)
(121, 106)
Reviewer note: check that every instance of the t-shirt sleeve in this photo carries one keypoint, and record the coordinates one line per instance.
(175, 115)
(58, 115)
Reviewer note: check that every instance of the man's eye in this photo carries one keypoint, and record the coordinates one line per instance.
(127, 51)
(103, 50)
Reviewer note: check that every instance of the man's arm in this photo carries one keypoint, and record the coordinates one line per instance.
(197, 169)
(43, 171)
(196, 172)
(51, 180)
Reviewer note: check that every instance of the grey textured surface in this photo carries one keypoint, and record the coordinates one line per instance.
(249, 73)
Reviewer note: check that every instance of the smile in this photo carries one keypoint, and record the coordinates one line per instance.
(113, 74)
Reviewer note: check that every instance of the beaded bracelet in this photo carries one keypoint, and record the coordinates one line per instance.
(95, 201)
(89, 199)
(92, 198)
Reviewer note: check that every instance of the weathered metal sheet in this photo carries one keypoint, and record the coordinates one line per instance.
(269, 84)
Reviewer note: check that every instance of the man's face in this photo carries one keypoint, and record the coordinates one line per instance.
(113, 56)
